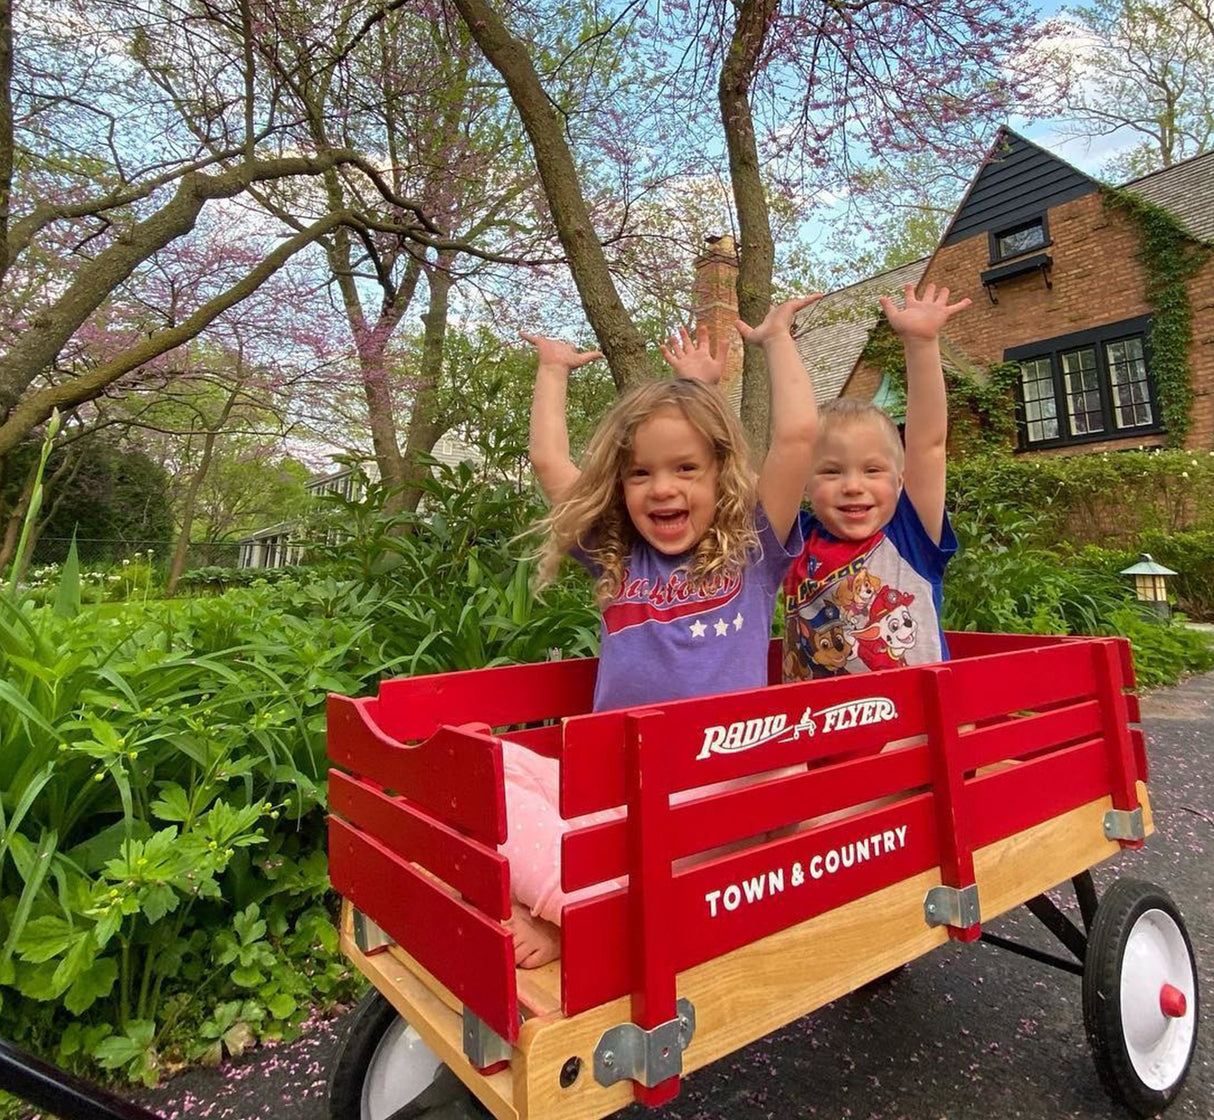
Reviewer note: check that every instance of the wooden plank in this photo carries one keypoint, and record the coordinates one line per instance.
(479, 874)
(415, 707)
(760, 987)
(1015, 798)
(456, 774)
(597, 853)
(971, 643)
(1021, 736)
(440, 1026)
(1027, 680)
(740, 734)
(470, 954)
(743, 896)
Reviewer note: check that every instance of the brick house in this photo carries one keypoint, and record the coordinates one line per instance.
(1057, 286)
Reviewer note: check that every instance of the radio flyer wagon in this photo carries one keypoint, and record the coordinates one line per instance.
(923, 802)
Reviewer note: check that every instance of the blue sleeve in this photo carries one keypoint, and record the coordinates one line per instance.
(915, 544)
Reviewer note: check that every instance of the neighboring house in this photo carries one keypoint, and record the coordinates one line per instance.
(1057, 286)
(280, 545)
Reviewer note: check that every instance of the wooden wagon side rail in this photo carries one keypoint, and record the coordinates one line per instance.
(413, 832)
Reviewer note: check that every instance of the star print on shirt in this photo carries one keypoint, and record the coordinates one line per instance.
(737, 622)
(721, 627)
(697, 629)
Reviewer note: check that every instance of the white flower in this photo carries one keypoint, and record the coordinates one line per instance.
(1184, 474)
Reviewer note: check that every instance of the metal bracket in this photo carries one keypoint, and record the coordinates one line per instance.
(367, 935)
(1124, 824)
(483, 1046)
(649, 1057)
(952, 906)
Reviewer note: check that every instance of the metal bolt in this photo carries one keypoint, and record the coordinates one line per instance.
(570, 1071)
(608, 1058)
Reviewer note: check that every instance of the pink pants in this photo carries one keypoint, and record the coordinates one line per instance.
(533, 833)
(534, 829)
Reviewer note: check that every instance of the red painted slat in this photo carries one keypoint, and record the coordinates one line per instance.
(969, 643)
(456, 774)
(544, 741)
(479, 874)
(595, 964)
(1139, 739)
(1027, 680)
(1132, 708)
(1123, 771)
(1021, 796)
(470, 954)
(1026, 735)
(598, 853)
(1126, 654)
(706, 738)
(650, 912)
(953, 820)
(414, 707)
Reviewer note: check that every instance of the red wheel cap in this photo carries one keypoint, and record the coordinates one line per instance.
(1172, 1002)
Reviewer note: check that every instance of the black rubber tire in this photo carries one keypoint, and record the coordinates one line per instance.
(369, 1021)
(1120, 908)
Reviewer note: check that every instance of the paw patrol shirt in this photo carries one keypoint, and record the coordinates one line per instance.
(859, 606)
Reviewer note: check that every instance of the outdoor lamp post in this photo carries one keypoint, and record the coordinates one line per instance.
(1150, 584)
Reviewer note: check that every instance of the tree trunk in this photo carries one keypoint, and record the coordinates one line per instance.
(187, 511)
(425, 425)
(618, 337)
(756, 255)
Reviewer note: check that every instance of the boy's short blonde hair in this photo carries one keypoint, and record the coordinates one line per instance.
(846, 411)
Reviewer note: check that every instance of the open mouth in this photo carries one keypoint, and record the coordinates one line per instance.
(669, 523)
(854, 512)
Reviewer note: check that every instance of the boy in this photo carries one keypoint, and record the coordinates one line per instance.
(865, 593)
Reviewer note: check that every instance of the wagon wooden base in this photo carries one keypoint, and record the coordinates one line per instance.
(743, 995)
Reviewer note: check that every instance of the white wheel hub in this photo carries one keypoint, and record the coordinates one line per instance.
(1158, 1026)
(401, 1068)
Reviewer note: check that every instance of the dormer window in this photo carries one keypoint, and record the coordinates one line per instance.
(1024, 237)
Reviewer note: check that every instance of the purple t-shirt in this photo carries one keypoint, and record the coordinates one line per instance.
(663, 641)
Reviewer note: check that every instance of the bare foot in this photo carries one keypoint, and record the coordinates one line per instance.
(536, 942)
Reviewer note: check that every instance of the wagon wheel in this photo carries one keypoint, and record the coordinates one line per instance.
(1140, 998)
(383, 1065)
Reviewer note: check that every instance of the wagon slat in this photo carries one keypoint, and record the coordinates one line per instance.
(469, 953)
(480, 874)
(456, 774)
(414, 707)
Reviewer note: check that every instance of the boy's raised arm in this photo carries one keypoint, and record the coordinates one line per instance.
(549, 442)
(794, 415)
(918, 324)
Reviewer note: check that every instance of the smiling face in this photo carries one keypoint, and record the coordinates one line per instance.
(855, 481)
(670, 483)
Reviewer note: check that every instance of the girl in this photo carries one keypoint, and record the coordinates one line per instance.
(688, 549)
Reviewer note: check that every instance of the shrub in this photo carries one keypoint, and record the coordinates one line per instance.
(1106, 499)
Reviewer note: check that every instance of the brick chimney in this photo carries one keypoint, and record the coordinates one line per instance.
(715, 303)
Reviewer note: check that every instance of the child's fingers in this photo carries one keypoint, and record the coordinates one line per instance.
(702, 338)
(534, 339)
(666, 354)
(684, 339)
(929, 293)
(960, 305)
(908, 292)
(589, 356)
(802, 302)
(744, 329)
(888, 306)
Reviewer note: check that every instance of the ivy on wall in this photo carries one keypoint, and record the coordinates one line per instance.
(1170, 258)
(981, 405)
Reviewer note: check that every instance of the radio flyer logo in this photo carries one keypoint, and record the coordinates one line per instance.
(744, 734)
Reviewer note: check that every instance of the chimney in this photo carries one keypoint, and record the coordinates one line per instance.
(715, 304)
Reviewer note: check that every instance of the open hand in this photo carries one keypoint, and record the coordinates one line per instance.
(554, 352)
(778, 321)
(695, 362)
(921, 319)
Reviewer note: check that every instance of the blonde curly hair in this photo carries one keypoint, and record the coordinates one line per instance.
(593, 515)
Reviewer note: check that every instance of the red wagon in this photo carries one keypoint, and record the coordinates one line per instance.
(922, 803)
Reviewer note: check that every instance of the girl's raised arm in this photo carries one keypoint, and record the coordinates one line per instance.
(549, 445)
(794, 415)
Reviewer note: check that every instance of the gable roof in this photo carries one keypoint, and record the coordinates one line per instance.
(832, 333)
(1185, 190)
(1016, 181)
